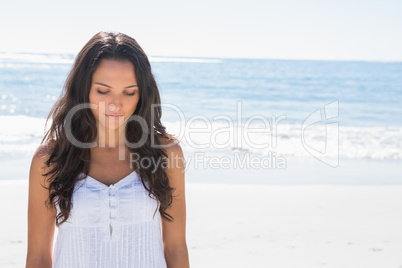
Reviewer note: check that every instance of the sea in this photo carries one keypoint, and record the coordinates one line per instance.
(325, 110)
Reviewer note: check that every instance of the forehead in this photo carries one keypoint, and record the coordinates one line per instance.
(118, 70)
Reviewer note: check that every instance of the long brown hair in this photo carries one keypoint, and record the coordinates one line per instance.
(66, 160)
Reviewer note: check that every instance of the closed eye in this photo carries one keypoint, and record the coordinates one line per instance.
(101, 92)
(130, 94)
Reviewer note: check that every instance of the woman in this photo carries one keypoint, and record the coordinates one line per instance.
(108, 175)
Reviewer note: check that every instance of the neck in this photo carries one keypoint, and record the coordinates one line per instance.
(111, 138)
(110, 154)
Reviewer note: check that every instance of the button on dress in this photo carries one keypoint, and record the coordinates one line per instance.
(116, 226)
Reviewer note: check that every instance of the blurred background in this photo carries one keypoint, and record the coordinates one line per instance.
(318, 84)
(227, 58)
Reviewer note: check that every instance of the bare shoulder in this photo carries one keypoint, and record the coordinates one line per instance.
(39, 159)
(176, 162)
(171, 145)
(43, 151)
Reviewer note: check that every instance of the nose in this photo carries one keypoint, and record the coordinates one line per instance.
(115, 104)
(112, 107)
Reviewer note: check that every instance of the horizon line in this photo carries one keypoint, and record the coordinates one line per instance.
(215, 58)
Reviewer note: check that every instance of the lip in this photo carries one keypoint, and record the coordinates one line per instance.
(114, 115)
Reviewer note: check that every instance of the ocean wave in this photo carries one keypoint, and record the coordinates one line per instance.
(192, 60)
(291, 140)
(9, 57)
(21, 136)
(24, 133)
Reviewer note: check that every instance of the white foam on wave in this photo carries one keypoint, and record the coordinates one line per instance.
(20, 135)
(23, 134)
(177, 59)
(288, 140)
(36, 58)
(9, 57)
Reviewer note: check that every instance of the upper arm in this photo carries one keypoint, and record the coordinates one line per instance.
(41, 219)
(174, 233)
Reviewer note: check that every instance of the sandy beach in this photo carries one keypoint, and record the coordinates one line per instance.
(233, 225)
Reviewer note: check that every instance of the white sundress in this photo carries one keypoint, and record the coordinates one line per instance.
(110, 227)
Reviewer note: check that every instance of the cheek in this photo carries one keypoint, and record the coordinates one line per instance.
(98, 100)
(132, 104)
(93, 98)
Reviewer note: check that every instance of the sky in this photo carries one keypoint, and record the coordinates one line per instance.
(285, 29)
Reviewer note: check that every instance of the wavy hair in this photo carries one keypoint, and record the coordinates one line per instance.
(66, 161)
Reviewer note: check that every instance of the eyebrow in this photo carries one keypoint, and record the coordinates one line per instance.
(111, 87)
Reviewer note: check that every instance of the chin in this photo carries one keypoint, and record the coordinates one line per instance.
(111, 125)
